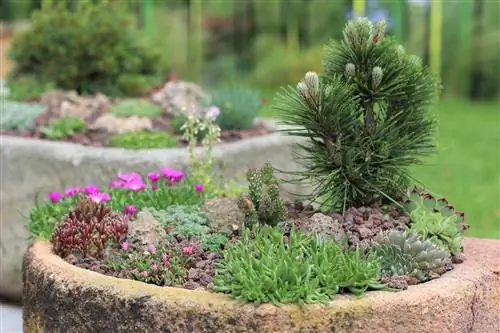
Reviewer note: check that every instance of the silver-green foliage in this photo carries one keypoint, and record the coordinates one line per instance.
(18, 115)
(263, 267)
(426, 256)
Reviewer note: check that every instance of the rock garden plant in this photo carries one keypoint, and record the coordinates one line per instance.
(366, 226)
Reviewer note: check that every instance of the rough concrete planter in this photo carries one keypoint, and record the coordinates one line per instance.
(31, 167)
(59, 297)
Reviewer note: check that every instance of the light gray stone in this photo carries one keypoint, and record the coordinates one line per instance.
(145, 230)
(29, 167)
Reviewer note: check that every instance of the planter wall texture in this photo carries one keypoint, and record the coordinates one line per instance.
(31, 167)
(59, 297)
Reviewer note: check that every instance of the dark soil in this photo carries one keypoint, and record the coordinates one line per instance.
(100, 138)
(361, 225)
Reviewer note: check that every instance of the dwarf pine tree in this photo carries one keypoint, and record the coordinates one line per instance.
(365, 119)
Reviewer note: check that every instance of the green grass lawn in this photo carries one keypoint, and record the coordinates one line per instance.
(467, 168)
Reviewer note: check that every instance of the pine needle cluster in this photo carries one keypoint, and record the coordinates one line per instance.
(365, 120)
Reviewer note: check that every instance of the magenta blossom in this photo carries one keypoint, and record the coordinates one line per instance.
(198, 188)
(91, 189)
(55, 197)
(99, 197)
(172, 175)
(154, 176)
(71, 191)
(117, 183)
(154, 187)
(135, 186)
(130, 210)
(129, 177)
(165, 258)
(124, 246)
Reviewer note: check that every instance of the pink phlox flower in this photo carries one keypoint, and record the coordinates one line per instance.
(130, 210)
(151, 249)
(55, 197)
(172, 174)
(99, 197)
(154, 176)
(124, 246)
(71, 191)
(188, 249)
(198, 187)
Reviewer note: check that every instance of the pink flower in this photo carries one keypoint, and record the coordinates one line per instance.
(154, 176)
(71, 191)
(172, 175)
(55, 197)
(165, 258)
(188, 250)
(124, 246)
(135, 185)
(91, 189)
(213, 112)
(154, 267)
(99, 197)
(129, 177)
(145, 274)
(154, 187)
(117, 183)
(130, 210)
(198, 188)
(151, 249)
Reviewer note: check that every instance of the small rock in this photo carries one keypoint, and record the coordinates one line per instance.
(119, 125)
(325, 226)
(145, 230)
(225, 212)
(364, 232)
(194, 273)
(180, 97)
(70, 104)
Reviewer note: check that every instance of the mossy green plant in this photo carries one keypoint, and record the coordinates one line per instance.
(143, 140)
(136, 107)
(264, 267)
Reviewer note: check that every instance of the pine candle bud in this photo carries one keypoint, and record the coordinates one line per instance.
(377, 75)
(312, 82)
(379, 31)
(350, 70)
(400, 50)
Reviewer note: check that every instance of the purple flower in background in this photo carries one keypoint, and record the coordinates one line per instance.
(198, 188)
(99, 197)
(213, 112)
(55, 197)
(131, 181)
(71, 191)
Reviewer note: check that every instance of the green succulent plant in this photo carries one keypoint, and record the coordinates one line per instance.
(263, 203)
(426, 256)
(394, 262)
(238, 107)
(19, 115)
(143, 140)
(136, 107)
(64, 127)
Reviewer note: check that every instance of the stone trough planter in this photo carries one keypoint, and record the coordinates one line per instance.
(59, 297)
(31, 167)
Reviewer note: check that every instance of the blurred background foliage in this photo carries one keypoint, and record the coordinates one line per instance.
(265, 44)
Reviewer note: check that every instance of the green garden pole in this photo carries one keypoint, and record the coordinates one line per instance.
(358, 7)
(397, 9)
(465, 32)
(148, 17)
(436, 28)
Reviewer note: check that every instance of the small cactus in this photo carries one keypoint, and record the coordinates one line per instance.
(262, 204)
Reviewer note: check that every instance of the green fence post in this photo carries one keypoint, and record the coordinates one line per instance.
(148, 17)
(436, 28)
(397, 9)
